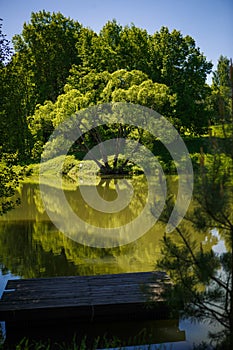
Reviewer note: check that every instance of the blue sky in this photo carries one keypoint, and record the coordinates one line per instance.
(209, 22)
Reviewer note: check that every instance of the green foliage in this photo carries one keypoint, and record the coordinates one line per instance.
(48, 43)
(54, 54)
(60, 68)
(53, 166)
(51, 115)
(37, 72)
(81, 92)
(10, 142)
(15, 102)
(166, 57)
(18, 102)
(221, 97)
(136, 88)
(69, 163)
(181, 66)
(203, 279)
(114, 48)
(221, 76)
(9, 180)
(217, 131)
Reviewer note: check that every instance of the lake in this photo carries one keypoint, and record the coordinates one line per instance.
(31, 246)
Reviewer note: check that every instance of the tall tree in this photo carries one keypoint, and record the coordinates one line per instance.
(115, 47)
(44, 53)
(178, 63)
(221, 76)
(8, 176)
(222, 92)
(166, 57)
(18, 100)
(49, 46)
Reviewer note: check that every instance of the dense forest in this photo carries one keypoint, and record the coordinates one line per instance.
(57, 67)
(57, 64)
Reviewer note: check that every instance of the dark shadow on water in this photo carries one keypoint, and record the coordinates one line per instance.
(97, 334)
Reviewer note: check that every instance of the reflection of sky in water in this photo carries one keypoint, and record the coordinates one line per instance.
(220, 246)
(195, 333)
(3, 280)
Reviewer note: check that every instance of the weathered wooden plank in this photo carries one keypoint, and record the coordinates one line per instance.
(97, 280)
(82, 296)
(30, 293)
(71, 287)
(24, 284)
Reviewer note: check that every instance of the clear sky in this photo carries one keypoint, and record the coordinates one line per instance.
(209, 22)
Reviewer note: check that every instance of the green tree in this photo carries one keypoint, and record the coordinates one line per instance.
(178, 63)
(222, 92)
(166, 57)
(17, 103)
(221, 76)
(9, 178)
(115, 48)
(49, 45)
(44, 53)
(99, 88)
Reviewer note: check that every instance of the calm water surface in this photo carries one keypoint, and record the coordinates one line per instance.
(32, 247)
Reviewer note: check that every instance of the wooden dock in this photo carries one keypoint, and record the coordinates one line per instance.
(83, 298)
